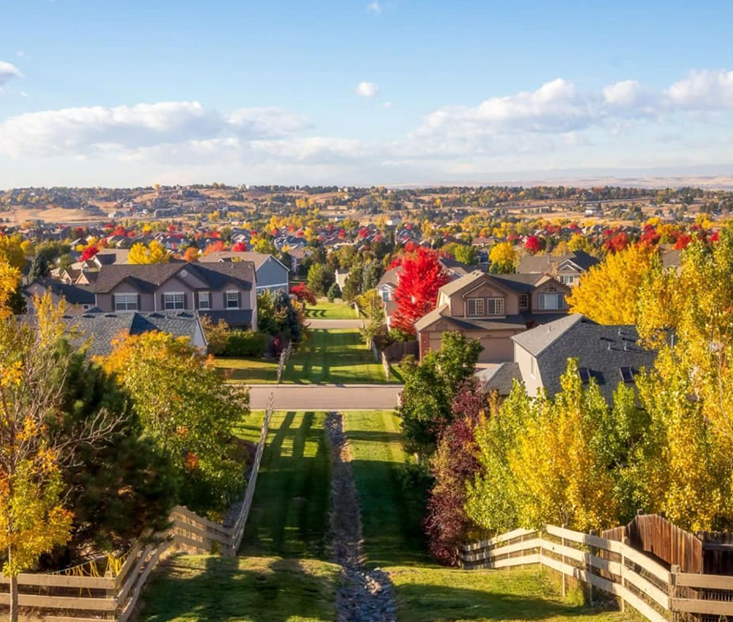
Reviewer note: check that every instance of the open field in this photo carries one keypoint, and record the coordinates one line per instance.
(256, 589)
(335, 356)
(325, 310)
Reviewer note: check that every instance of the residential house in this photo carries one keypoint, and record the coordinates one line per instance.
(608, 354)
(492, 308)
(221, 291)
(97, 331)
(567, 268)
(79, 298)
(272, 274)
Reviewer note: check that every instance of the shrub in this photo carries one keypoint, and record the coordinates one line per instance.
(245, 343)
(333, 292)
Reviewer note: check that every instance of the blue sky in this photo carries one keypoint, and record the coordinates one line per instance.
(112, 92)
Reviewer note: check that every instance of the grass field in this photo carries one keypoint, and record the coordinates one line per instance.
(325, 310)
(390, 515)
(256, 589)
(289, 516)
(329, 356)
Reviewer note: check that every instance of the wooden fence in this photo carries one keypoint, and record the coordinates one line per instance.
(658, 593)
(284, 357)
(67, 597)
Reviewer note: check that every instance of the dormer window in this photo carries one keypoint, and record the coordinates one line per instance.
(551, 302)
(475, 307)
(524, 301)
(495, 306)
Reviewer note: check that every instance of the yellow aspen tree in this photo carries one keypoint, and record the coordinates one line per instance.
(609, 292)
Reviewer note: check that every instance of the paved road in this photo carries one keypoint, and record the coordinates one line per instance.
(325, 396)
(330, 324)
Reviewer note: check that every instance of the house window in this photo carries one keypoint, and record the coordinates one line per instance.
(524, 301)
(627, 374)
(568, 279)
(495, 306)
(551, 302)
(475, 307)
(204, 300)
(232, 300)
(533, 367)
(585, 375)
(174, 301)
(125, 302)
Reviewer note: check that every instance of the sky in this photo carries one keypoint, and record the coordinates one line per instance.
(346, 92)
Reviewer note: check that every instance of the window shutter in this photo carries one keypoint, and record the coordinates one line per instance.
(162, 302)
(185, 301)
(239, 299)
(196, 302)
(139, 303)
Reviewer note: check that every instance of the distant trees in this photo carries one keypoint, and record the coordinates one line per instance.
(420, 278)
(154, 253)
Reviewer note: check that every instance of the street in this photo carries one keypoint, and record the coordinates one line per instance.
(325, 396)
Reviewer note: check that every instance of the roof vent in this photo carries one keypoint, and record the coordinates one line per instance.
(184, 272)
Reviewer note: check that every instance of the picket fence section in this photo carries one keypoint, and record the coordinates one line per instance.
(615, 567)
(283, 361)
(61, 597)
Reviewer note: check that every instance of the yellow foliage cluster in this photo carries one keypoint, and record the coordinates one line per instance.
(155, 253)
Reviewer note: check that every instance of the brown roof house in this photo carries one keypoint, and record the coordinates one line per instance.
(492, 308)
(224, 290)
(567, 268)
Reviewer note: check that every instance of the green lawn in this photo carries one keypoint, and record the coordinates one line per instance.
(289, 516)
(256, 589)
(325, 310)
(390, 514)
(441, 594)
(330, 356)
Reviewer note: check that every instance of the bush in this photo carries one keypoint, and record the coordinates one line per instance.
(245, 343)
(333, 292)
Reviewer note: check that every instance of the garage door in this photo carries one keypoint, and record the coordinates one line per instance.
(497, 350)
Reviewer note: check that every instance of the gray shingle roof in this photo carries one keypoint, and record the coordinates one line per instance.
(602, 350)
(499, 378)
(148, 277)
(545, 262)
(73, 294)
(100, 329)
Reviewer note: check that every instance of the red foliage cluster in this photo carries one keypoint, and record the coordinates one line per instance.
(617, 243)
(239, 247)
(446, 524)
(534, 244)
(417, 288)
(215, 247)
(682, 241)
(89, 252)
(650, 236)
(302, 293)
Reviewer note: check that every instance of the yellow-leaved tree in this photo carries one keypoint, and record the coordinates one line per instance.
(503, 258)
(32, 517)
(687, 316)
(155, 253)
(609, 292)
(9, 279)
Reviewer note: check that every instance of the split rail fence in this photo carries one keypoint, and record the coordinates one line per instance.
(658, 593)
(69, 597)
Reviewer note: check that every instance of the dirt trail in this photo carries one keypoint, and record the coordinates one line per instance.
(365, 595)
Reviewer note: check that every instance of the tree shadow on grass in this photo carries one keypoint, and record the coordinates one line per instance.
(226, 588)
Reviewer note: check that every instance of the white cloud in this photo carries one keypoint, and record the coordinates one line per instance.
(8, 72)
(374, 7)
(387, 105)
(77, 130)
(703, 90)
(367, 89)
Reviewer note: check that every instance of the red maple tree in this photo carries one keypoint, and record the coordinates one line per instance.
(239, 247)
(303, 294)
(89, 252)
(534, 244)
(416, 294)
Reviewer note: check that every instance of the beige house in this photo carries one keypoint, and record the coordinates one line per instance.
(492, 308)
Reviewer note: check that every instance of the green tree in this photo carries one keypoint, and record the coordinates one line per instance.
(333, 292)
(430, 387)
(319, 279)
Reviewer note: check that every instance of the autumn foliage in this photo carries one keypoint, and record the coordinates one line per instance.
(303, 294)
(420, 278)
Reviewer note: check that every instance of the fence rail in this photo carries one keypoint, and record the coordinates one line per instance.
(72, 598)
(658, 593)
(284, 357)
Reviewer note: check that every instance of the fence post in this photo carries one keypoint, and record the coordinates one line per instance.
(564, 579)
(588, 569)
(673, 572)
(625, 542)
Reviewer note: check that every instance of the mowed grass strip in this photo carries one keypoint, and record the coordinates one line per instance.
(325, 310)
(256, 589)
(391, 514)
(441, 594)
(337, 356)
(289, 515)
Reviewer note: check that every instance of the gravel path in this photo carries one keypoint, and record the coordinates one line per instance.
(364, 596)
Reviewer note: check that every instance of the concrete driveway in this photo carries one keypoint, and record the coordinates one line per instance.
(326, 396)
(331, 324)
